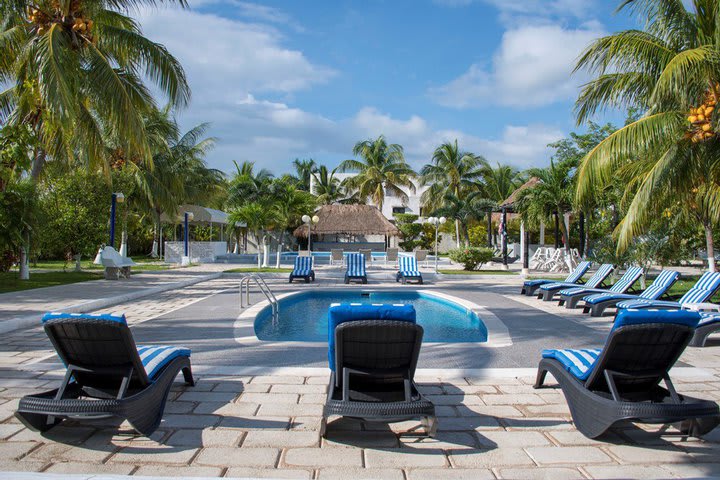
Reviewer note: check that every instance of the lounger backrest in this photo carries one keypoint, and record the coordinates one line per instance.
(96, 342)
(336, 254)
(303, 264)
(391, 254)
(342, 313)
(631, 276)
(578, 273)
(643, 345)
(408, 264)
(703, 290)
(421, 255)
(355, 265)
(662, 284)
(600, 275)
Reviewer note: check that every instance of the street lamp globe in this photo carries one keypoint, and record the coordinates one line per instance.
(431, 220)
(305, 218)
(442, 220)
(315, 219)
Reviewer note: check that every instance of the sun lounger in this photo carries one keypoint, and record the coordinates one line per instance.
(548, 291)
(408, 270)
(355, 268)
(391, 255)
(303, 269)
(336, 255)
(701, 292)
(373, 351)
(571, 296)
(709, 324)
(530, 286)
(107, 374)
(422, 256)
(598, 302)
(367, 253)
(116, 266)
(620, 382)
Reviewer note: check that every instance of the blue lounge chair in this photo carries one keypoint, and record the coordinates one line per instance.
(372, 353)
(598, 302)
(621, 381)
(355, 268)
(701, 292)
(303, 269)
(530, 286)
(709, 324)
(107, 374)
(408, 270)
(547, 292)
(571, 296)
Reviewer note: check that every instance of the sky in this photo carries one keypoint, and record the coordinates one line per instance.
(280, 80)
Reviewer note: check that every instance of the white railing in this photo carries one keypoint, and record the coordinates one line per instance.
(260, 282)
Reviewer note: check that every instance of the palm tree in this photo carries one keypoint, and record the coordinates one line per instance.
(247, 185)
(304, 170)
(464, 210)
(451, 174)
(670, 71)
(76, 72)
(382, 169)
(500, 182)
(288, 206)
(327, 187)
(258, 218)
(553, 195)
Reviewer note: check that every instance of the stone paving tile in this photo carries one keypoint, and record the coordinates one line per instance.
(281, 439)
(514, 439)
(450, 474)
(496, 457)
(322, 457)
(625, 471)
(275, 474)
(238, 457)
(649, 455)
(693, 470)
(77, 468)
(360, 439)
(360, 474)
(552, 473)
(208, 437)
(567, 455)
(407, 457)
(158, 454)
(167, 471)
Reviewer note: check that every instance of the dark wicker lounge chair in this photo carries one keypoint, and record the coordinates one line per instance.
(548, 291)
(621, 381)
(107, 375)
(530, 286)
(373, 352)
(709, 324)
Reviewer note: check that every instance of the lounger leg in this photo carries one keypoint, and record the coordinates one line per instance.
(187, 374)
(323, 427)
(430, 424)
(540, 378)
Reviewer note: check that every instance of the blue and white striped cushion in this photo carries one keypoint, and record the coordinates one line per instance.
(631, 276)
(600, 275)
(596, 298)
(356, 265)
(703, 289)
(579, 362)
(303, 266)
(706, 318)
(579, 271)
(155, 357)
(644, 303)
(408, 266)
(661, 284)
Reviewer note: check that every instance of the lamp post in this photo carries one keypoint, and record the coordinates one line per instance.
(186, 258)
(310, 221)
(436, 222)
(115, 199)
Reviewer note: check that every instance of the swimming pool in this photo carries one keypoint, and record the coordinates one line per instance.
(303, 316)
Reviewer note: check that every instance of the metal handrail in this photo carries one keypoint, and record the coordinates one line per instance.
(264, 288)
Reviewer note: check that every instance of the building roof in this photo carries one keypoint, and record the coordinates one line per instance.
(201, 215)
(349, 220)
(510, 201)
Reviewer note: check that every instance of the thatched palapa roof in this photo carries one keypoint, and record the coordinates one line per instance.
(349, 220)
(510, 201)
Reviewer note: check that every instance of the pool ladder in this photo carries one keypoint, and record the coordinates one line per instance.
(260, 282)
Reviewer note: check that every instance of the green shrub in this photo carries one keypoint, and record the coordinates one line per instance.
(472, 258)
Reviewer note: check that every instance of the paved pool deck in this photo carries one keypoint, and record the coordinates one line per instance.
(255, 410)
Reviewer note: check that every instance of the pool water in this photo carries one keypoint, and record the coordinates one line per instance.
(303, 317)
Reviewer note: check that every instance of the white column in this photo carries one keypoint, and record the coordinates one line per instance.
(522, 248)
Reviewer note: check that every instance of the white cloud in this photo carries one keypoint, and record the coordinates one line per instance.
(531, 11)
(532, 67)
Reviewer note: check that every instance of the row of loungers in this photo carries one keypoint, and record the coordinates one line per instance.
(596, 300)
(407, 269)
(372, 354)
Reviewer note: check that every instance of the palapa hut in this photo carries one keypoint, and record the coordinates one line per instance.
(349, 227)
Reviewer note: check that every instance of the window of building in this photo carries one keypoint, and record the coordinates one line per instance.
(398, 210)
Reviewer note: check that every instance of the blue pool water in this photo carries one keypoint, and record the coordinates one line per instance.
(303, 317)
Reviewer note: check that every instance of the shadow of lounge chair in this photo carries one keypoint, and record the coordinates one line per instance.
(621, 381)
(107, 375)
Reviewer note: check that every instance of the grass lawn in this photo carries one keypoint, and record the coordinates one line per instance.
(259, 270)
(144, 265)
(9, 281)
(477, 272)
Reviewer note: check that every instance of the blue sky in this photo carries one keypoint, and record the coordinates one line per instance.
(286, 79)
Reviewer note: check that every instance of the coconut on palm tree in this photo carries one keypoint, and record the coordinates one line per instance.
(669, 69)
(382, 169)
(452, 173)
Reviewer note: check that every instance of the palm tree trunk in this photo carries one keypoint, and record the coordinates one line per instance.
(457, 233)
(279, 249)
(266, 252)
(710, 247)
(24, 258)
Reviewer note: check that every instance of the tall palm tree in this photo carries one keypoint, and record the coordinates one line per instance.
(500, 182)
(289, 204)
(327, 187)
(670, 70)
(304, 170)
(258, 218)
(382, 169)
(76, 72)
(247, 185)
(452, 173)
(554, 194)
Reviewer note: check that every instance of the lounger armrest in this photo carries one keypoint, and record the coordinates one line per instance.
(701, 307)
